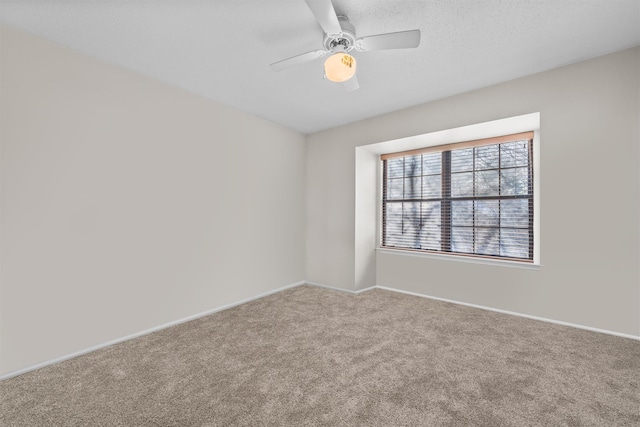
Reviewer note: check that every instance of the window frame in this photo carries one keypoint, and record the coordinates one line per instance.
(446, 199)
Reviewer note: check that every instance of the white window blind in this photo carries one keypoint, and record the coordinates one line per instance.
(473, 198)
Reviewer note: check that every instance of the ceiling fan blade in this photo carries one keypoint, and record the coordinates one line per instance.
(326, 16)
(351, 84)
(298, 59)
(400, 40)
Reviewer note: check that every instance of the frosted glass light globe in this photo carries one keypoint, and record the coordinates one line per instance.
(340, 67)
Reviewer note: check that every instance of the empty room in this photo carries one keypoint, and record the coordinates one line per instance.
(320, 213)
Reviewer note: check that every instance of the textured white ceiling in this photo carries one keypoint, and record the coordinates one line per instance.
(222, 49)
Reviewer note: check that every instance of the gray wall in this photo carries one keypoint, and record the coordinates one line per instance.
(590, 191)
(127, 204)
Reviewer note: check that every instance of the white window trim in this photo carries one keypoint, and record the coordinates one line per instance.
(517, 124)
(460, 258)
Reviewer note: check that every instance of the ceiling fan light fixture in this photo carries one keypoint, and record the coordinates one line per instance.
(340, 39)
(340, 67)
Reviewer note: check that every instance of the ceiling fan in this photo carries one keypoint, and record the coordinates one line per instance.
(340, 41)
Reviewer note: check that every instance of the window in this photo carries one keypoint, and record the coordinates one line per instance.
(472, 198)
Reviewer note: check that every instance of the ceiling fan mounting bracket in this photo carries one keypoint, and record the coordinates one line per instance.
(346, 40)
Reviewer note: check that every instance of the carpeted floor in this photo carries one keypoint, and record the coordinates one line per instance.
(313, 356)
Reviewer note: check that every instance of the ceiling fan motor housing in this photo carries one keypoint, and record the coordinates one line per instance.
(345, 41)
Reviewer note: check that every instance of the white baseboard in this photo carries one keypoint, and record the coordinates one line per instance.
(293, 285)
(513, 313)
(321, 285)
(145, 332)
(497, 310)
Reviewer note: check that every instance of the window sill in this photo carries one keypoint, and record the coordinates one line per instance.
(455, 258)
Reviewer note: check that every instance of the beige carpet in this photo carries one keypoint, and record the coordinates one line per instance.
(312, 356)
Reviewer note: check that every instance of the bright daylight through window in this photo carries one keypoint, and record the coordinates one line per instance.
(472, 198)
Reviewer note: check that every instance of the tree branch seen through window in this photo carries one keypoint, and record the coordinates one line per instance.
(473, 200)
